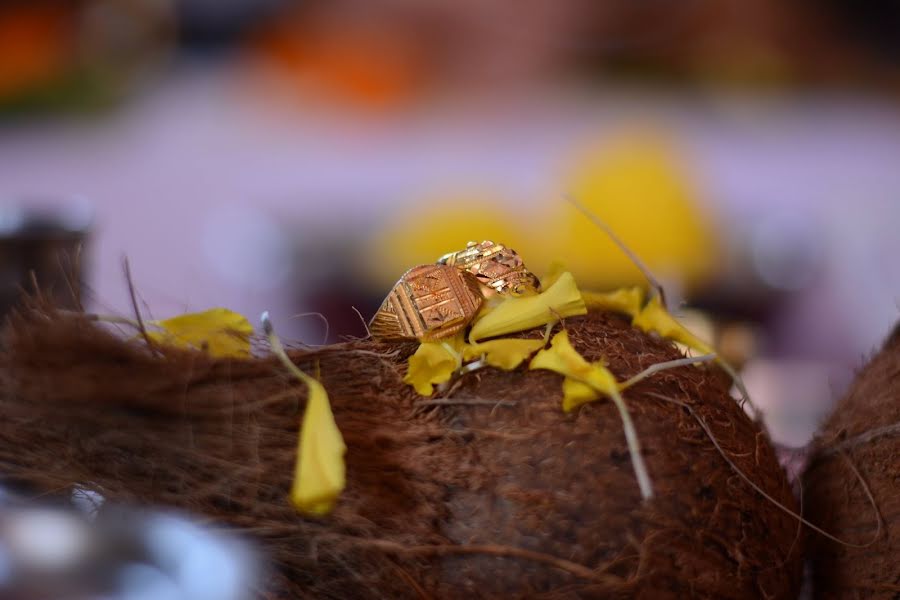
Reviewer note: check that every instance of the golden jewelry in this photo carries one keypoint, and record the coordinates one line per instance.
(429, 302)
(495, 266)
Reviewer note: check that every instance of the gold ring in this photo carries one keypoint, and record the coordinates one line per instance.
(429, 302)
(498, 268)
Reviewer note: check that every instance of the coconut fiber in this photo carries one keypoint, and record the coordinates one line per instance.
(486, 491)
(852, 486)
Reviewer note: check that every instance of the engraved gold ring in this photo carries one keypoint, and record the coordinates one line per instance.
(431, 302)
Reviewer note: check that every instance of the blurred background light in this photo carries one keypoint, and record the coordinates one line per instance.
(246, 247)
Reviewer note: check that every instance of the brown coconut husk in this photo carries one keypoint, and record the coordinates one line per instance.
(487, 491)
(852, 486)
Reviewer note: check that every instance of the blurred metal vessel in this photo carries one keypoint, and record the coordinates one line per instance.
(114, 553)
(43, 245)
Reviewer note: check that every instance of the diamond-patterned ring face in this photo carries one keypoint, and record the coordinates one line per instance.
(498, 268)
(429, 302)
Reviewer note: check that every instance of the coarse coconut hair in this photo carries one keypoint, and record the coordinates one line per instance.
(486, 490)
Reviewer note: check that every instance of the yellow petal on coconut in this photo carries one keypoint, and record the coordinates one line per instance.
(562, 299)
(220, 332)
(601, 379)
(623, 300)
(576, 393)
(654, 317)
(506, 354)
(320, 472)
(554, 271)
(434, 363)
(562, 358)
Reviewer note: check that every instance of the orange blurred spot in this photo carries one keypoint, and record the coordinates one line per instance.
(35, 44)
(363, 66)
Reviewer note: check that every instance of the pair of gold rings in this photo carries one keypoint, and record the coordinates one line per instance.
(432, 302)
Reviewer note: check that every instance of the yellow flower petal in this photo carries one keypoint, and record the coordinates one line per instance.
(554, 271)
(506, 354)
(654, 317)
(576, 393)
(560, 300)
(320, 473)
(623, 300)
(562, 358)
(220, 332)
(434, 363)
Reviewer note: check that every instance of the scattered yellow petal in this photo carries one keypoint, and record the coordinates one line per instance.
(562, 358)
(554, 271)
(506, 354)
(560, 300)
(320, 474)
(622, 300)
(576, 393)
(220, 332)
(654, 317)
(434, 363)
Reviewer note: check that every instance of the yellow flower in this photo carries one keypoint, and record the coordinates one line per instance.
(506, 354)
(434, 363)
(220, 332)
(622, 300)
(423, 231)
(562, 358)
(320, 473)
(513, 314)
(668, 227)
(654, 317)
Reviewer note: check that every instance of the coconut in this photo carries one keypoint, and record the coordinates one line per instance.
(487, 490)
(851, 486)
